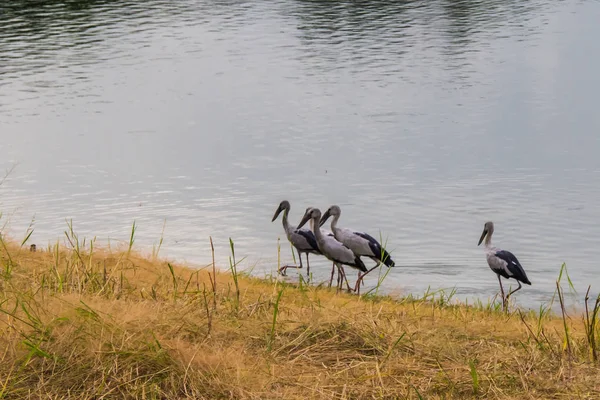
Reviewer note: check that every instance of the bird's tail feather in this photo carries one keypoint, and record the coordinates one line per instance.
(360, 264)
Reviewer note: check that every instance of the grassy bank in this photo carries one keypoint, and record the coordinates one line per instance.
(89, 323)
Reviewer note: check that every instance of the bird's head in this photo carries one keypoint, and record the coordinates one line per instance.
(488, 229)
(333, 211)
(311, 213)
(284, 205)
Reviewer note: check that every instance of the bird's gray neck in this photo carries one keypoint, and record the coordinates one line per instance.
(334, 222)
(286, 225)
(488, 240)
(316, 230)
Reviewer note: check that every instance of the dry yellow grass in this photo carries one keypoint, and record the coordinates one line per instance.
(118, 325)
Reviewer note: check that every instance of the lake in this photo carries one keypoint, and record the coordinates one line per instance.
(421, 120)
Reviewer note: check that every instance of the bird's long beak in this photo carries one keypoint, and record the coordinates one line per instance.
(304, 220)
(482, 236)
(277, 212)
(324, 218)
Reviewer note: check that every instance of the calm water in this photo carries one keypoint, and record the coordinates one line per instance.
(422, 120)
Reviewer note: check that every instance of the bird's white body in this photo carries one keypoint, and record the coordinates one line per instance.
(359, 245)
(497, 264)
(494, 262)
(332, 248)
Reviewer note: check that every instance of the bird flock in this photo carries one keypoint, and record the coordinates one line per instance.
(345, 247)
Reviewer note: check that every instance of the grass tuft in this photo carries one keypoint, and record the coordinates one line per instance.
(86, 322)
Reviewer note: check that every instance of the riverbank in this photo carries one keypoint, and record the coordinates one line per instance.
(88, 323)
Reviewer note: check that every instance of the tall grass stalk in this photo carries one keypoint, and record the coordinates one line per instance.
(275, 313)
(91, 255)
(540, 338)
(474, 376)
(156, 248)
(234, 273)
(174, 281)
(131, 239)
(56, 258)
(389, 353)
(278, 255)
(28, 232)
(73, 240)
(8, 265)
(591, 323)
(563, 272)
(7, 173)
(419, 396)
(189, 281)
(4, 385)
(567, 339)
(380, 277)
(208, 312)
(213, 278)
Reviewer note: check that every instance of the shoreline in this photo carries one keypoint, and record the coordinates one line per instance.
(574, 300)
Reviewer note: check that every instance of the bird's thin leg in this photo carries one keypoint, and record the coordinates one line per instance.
(377, 265)
(361, 277)
(332, 273)
(346, 280)
(283, 269)
(358, 278)
(307, 267)
(502, 291)
(508, 295)
(339, 278)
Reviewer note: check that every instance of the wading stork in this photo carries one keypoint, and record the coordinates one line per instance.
(330, 247)
(361, 244)
(502, 262)
(302, 239)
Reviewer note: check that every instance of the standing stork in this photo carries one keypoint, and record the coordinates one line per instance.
(361, 244)
(502, 262)
(331, 248)
(302, 239)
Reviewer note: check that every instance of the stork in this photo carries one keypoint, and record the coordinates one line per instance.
(302, 239)
(361, 244)
(331, 248)
(502, 262)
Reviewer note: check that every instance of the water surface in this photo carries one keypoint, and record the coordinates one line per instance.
(422, 120)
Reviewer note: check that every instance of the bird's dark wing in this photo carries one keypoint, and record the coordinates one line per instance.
(513, 265)
(379, 252)
(359, 264)
(310, 238)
